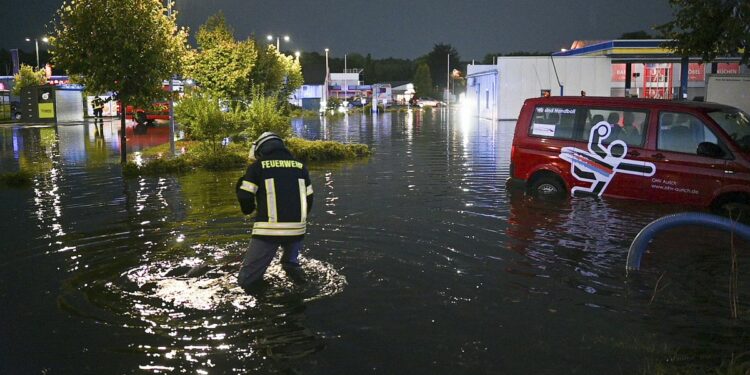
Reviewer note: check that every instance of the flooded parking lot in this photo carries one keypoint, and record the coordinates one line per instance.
(418, 259)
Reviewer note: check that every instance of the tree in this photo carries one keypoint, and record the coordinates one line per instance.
(126, 46)
(710, 28)
(269, 71)
(437, 60)
(221, 65)
(636, 35)
(28, 76)
(423, 81)
(277, 74)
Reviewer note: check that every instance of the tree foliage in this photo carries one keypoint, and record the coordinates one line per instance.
(710, 28)
(125, 46)
(221, 65)
(28, 76)
(640, 34)
(277, 74)
(437, 60)
(423, 81)
(200, 117)
(262, 115)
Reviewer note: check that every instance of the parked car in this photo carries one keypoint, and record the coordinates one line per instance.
(156, 111)
(429, 102)
(653, 150)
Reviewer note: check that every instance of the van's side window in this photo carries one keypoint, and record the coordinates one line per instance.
(553, 122)
(628, 126)
(682, 132)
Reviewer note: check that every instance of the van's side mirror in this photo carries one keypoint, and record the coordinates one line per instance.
(711, 150)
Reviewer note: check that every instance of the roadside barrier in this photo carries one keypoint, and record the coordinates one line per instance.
(641, 241)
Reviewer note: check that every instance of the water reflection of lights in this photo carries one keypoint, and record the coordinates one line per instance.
(409, 126)
(138, 158)
(47, 197)
(172, 304)
(331, 198)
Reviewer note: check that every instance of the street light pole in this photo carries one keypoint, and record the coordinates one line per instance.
(278, 41)
(325, 88)
(171, 97)
(36, 46)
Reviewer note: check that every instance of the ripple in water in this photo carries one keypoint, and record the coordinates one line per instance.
(197, 316)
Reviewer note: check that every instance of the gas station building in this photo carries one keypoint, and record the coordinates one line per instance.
(636, 68)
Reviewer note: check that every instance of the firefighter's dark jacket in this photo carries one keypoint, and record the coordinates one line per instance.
(277, 188)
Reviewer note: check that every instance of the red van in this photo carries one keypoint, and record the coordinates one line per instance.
(655, 150)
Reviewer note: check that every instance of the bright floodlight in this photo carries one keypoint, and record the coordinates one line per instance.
(286, 38)
(296, 53)
(269, 37)
(28, 39)
(326, 49)
(45, 39)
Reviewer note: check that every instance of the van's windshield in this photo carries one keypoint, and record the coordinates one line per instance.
(736, 123)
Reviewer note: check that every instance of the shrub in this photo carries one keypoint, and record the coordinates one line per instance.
(333, 104)
(16, 179)
(305, 150)
(262, 115)
(368, 108)
(222, 161)
(202, 118)
(159, 166)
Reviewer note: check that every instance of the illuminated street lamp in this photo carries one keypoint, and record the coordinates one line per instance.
(270, 38)
(36, 44)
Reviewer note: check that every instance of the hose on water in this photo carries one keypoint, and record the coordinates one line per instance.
(638, 247)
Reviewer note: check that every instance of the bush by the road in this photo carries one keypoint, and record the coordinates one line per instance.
(235, 156)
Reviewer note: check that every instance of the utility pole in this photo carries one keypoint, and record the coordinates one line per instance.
(448, 84)
(171, 96)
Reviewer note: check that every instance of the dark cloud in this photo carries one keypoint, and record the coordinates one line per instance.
(395, 28)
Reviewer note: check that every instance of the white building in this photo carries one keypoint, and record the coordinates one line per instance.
(307, 97)
(639, 68)
(498, 91)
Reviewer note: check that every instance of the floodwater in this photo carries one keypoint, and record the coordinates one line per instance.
(418, 260)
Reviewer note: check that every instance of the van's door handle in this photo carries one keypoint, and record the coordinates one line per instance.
(658, 156)
(634, 153)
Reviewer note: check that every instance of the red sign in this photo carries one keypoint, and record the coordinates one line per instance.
(696, 72)
(728, 68)
(618, 72)
(657, 80)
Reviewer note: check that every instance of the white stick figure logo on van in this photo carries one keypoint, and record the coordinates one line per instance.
(599, 164)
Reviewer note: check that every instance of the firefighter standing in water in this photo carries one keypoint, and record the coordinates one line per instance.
(98, 106)
(277, 189)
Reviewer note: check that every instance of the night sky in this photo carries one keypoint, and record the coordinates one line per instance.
(392, 28)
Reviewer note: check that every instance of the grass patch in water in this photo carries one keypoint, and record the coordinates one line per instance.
(307, 151)
(158, 166)
(235, 155)
(16, 179)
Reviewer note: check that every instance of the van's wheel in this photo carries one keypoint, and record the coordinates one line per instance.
(547, 186)
(733, 206)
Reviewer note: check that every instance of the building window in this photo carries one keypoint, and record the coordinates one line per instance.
(487, 99)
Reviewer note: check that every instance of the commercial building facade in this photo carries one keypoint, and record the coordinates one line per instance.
(618, 68)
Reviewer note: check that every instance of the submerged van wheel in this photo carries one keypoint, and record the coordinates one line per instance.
(735, 206)
(547, 186)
